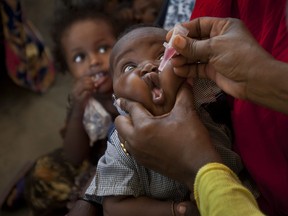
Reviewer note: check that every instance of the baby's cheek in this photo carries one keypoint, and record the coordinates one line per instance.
(135, 89)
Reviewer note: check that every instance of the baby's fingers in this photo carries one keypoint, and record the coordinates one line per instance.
(186, 209)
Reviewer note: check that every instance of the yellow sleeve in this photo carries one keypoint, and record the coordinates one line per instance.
(218, 191)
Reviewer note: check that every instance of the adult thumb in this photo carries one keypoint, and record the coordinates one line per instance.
(193, 50)
(184, 100)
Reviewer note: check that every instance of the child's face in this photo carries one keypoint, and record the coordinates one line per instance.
(134, 63)
(87, 46)
(146, 11)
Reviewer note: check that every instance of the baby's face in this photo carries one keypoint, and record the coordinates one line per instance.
(134, 62)
(87, 46)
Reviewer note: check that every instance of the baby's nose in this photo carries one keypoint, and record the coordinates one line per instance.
(149, 67)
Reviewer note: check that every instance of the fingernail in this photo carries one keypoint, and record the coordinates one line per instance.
(182, 209)
(179, 41)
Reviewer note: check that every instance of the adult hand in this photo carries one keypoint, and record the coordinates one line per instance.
(176, 144)
(228, 53)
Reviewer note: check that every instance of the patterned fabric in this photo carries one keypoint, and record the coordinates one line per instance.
(28, 61)
(178, 11)
(119, 174)
(54, 184)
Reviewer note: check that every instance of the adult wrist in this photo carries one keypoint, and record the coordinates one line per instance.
(267, 86)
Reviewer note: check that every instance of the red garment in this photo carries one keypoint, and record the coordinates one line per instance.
(261, 134)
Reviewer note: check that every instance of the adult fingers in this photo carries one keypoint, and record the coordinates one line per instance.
(135, 109)
(192, 70)
(186, 208)
(197, 45)
(124, 123)
(184, 102)
(194, 50)
(124, 126)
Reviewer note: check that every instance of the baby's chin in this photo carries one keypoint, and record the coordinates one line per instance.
(163, 108)
(163, 102)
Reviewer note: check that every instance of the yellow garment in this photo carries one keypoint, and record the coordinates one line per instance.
(218, 191)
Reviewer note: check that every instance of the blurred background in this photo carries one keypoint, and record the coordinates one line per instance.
(29, 121)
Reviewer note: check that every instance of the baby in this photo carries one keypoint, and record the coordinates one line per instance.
(121, 184)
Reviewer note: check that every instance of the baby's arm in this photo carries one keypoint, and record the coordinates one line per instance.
(141, 206)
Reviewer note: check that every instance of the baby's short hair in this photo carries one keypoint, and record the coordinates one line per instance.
(136, 26)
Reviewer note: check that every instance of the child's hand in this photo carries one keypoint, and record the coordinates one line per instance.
(82, 90)
(186, 208)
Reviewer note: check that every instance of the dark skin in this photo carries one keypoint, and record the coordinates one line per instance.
(122, 10)
(210, 41)
(140, 63)
(146, 11)
(185, 67)
(87, 45)
(183, 119)
(75, 131)
(134, 62)
(83, 207)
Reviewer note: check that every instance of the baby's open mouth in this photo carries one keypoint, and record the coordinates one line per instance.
(152, 80)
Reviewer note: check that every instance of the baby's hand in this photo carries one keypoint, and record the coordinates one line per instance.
(186, 208)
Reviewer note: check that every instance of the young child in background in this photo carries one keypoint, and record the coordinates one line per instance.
(83, 39)
(120, 9)
(120, 183)
(146, 12)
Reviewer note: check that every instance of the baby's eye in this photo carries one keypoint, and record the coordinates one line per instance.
(128, 68)
(161, 56)
(103, 49)
(79, 58)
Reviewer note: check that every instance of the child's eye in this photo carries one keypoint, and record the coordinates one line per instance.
(79, 58)
(103, 49)
(128, 68)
